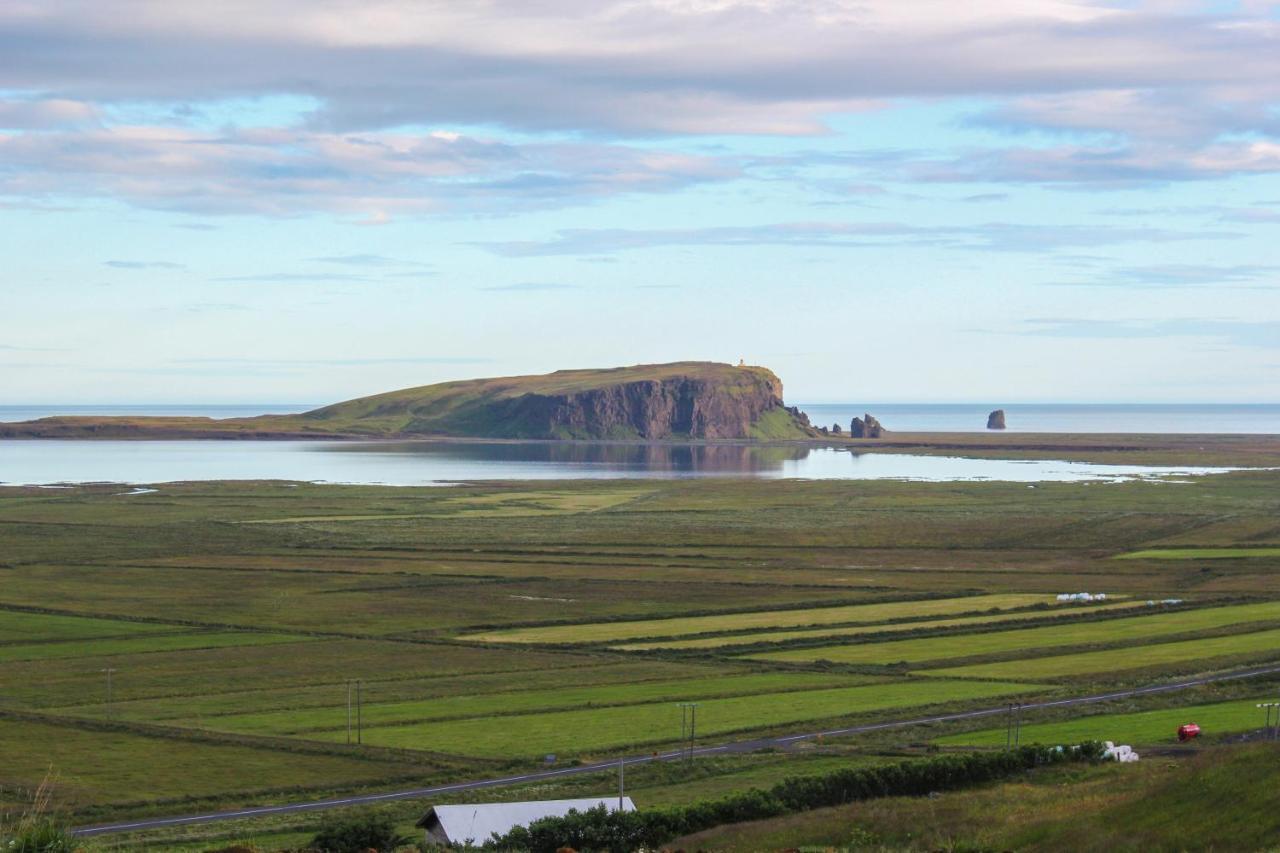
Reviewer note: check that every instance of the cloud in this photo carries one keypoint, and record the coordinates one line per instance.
(1185, 275)
(44, 114)
(365, 260)
(144, 265)
(994, 236)
(530, 287)
(281, 172)
(289, 277)
(1263, 334)
(102, 100)
(327, 362)
(626, 66)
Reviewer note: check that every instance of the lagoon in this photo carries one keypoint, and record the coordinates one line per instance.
(420, 463)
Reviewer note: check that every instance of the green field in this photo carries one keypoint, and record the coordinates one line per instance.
(925, 625)
(1140, 728)
(568, 732)
(609, 632)
(1226, 798)
(1019, 640)
(231, 644)
(296, 720)
(96, 767)
(81, 649)
(1259, 644)
(1199, 553)
(20, 627)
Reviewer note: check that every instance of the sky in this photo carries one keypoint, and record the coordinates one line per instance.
(928, 201)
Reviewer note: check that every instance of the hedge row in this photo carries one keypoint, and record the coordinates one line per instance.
(599, 829)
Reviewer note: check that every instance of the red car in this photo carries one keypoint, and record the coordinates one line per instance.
(1188, 731)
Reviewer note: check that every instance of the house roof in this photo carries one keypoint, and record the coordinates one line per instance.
(476, 823)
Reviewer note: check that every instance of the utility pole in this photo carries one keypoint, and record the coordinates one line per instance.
(110, 708)
(688, 727)
(1271, 729)
(622, 764)
(358, 684)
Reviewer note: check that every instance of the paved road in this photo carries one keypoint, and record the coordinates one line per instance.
(601, 766)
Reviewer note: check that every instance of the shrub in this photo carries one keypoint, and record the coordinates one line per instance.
(37, 836)
(357, 833)
(599, 829)
(35, 830)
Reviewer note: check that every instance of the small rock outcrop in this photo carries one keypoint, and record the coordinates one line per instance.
(835, 429)
(801, 417)
(866, 427)
(995, 420)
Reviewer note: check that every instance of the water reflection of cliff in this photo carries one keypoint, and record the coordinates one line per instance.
(711, 458)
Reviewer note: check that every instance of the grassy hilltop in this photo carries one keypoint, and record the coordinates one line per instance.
(682, 400)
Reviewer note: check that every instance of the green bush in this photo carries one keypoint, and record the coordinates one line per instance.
(357, 833)
(41, 835)
(620, 832)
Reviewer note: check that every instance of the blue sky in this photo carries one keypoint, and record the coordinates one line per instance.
(883, 201)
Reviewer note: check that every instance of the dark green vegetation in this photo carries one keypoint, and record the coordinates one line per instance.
(231, 617)
(620, 832)
(1226, 798)
(684, 400)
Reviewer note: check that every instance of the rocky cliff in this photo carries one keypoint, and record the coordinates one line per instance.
(653, 409)
(685, 400)
(691, 400)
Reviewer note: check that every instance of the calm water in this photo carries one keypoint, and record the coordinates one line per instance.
(903, 417)
(427, 463)
(1058, 417)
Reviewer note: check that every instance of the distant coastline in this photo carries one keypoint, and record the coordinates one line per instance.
(1054, 418)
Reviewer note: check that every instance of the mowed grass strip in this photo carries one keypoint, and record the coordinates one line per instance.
(142, 645)
(1025, 639)
(822, 633)
(1140, 727)
(602, 632)
(1198, 554)
(573, 732)
(286, 722)
(23, 627)
(1257, 643)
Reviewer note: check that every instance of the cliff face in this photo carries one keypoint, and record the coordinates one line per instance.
(652, 409)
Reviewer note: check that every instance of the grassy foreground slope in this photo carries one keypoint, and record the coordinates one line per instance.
(1226, 798)
(682, 400)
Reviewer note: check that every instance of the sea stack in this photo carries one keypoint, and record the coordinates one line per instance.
(866, 427)
(995, 420)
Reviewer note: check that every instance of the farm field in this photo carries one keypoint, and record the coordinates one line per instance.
(18, 627)
(1199, 554)
(655, 723)
(1128, 628)
(609, 632)
(486, 705)
(482, 622)
(136, 645)
(870, 630)
(96, 768)
(1139, 728)
(1256, 645)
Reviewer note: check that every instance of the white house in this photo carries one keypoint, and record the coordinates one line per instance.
(477, 823)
